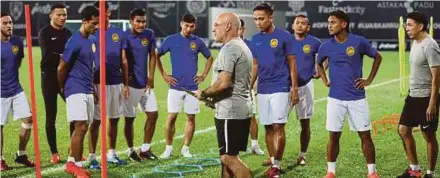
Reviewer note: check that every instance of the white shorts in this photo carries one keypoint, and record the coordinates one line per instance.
(274, 108)
(358, 111)
(80, 107)
(18, 106)
(145, 100)
(114, 102)
(176, 98)
(304, 109)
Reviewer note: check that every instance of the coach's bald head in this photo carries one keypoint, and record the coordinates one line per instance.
(226, 27)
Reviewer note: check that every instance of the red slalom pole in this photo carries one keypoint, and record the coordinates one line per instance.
(102, 88)
(31, 81)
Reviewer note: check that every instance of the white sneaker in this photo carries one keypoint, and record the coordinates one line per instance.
(185, 153)
(257, 150)
(166, 154)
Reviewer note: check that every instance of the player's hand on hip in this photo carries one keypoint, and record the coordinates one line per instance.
(362, 83)
(125, 92)
(294, 96)
(170, 80)
(431, 113)
(199, 79)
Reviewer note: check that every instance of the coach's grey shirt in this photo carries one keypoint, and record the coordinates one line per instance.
(422, 57)
(234, 103)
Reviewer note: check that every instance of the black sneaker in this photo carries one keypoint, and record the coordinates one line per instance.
(428, 176)
(411, 174)
(147, 155)
(24, 159)
(134, 156)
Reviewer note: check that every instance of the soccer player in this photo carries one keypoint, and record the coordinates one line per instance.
(140, 54)
(230, 87)
(274, 64)
(184, 48)
(305, 47)
(116, 74)
(13, 98)
(52, 39)
(422, 104)
(75, 77)
(255, 148)
(344, 53)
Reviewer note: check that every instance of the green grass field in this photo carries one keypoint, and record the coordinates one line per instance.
(383, 97)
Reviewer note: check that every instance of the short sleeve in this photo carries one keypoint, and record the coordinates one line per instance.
(42, 38)
(316, 46)
(367, 49)
(252, 48)
(432, 54)
(152, 42)
(321, 54)
(165, 46)
(228, 59)
(70, 50)
(288, 45)
(124, 42)
(204, 49)
(21, 49)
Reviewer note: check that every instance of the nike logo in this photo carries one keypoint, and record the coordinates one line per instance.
(366, 125)
(53, 38)
(426, 126)
(258, 43)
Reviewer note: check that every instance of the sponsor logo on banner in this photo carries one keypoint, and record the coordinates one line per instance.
(247, 4)
(297, 8)
(409, 5)
(43, 9)
(16, 9)
(197, 7)
(112, 6)
(360, 10)
(378, 25)
(227, 4)
(161, 9)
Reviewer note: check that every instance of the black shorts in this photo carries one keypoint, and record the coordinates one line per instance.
(414, 114)
(232, 135)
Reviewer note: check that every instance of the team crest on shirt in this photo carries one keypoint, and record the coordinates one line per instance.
(144, 41)
(350, 51)
(115, 37)
(14, 49)
(93, 47)
(306, 48)
(273, 43)
(193, 46)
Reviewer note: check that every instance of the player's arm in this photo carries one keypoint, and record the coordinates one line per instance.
(151, 68)
(124, 68)
(201, 78)
(321, 72)
(368, 50)
(43, 40)
(433, 58)
(292, 69)
(62, 74)
(207, 54)
(435, 84)
(164, 48)
(254, 72)
(293, 78)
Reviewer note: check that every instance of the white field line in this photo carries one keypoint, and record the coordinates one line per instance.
(197, 132)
